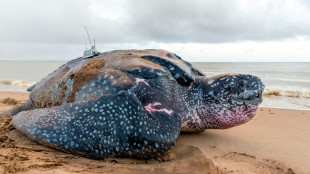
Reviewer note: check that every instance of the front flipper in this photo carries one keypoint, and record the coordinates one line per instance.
(27, 106)
(111, 125)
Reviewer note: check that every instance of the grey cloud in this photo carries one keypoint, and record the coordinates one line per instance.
(218, 21)
(182, 21)
(54, 23)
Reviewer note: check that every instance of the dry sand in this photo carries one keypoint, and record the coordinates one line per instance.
(275, 141)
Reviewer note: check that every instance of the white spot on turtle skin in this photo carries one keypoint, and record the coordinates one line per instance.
(210, 82)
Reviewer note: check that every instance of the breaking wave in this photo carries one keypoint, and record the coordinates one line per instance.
(286, 93)
(22, 83)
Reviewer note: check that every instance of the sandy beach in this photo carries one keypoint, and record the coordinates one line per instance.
(275, 141)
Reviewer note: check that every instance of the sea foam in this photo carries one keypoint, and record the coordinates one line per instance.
(286, 93)
(22, 83)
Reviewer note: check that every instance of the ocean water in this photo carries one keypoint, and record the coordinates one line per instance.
(19, 75)
(287, 85)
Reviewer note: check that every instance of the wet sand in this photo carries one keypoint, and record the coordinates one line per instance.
(275, 141)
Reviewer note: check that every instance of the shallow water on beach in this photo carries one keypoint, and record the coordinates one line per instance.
(287, 84)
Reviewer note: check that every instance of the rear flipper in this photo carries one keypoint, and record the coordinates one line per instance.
(27, 106)
(111, 125)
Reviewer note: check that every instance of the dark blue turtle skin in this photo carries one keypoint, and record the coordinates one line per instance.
(132, 103)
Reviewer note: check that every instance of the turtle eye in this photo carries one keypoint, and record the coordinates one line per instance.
(242, 83)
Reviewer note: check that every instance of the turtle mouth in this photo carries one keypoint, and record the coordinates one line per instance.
(249, 99)
(257, 99)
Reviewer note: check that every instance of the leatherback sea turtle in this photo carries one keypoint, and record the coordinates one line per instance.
(132, 103)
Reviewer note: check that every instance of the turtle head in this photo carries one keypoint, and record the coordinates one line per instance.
(225, 101)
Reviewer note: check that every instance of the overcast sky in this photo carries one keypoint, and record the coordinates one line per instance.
(196, 30)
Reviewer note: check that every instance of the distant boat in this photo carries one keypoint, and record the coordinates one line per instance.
(93, 50)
